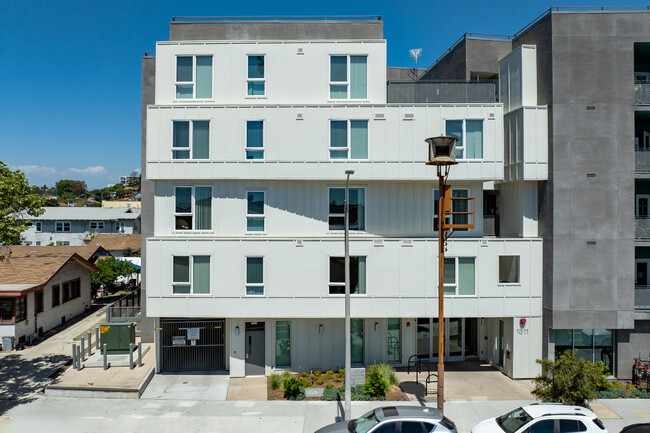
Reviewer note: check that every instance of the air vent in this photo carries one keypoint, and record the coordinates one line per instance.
(300, 51)
(409, 116)
(484, 242)
(379, 242)
(591, 243)
(299, 116)
(407, 242)
(491, 114)
(379, 116)
(591, 108)
(591, 174)
(299, 242)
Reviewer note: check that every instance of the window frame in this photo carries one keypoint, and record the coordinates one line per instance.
(342, 215)
(255, 80)
(190, 147)
(342, 284)
(461, 145)
(38, 226)
(448, 217)
(255, 149)
(56, 289)
(261, 216)
(20, 318)
(348, 140)
(12, 301)
(99, 225)
(71, 288)
(255, 285)
(278, 365)
(506, 283)
(456, 283)
(192, 214)
(193, 82)
(348, 82)
(191, 275)
(62, 227)
(39, 294)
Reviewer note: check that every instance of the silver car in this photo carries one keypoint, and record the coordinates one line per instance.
(395, 419)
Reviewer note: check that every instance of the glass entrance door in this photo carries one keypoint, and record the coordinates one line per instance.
(461, 338)
(423, 338)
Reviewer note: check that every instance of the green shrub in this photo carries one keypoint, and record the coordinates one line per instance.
(305, 383)
(317, 374)
(640, 393)
(376, 385)
(338, 380)
(332, 393)
(319, 381)
(341, 372)
(387, 372)
(358, 393)
(304, 374)
(603, 383)
(273, 381)
(293, 389)
(329, 373)
(611, 393)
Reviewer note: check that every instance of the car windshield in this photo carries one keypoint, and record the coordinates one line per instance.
(366, 422)
(512, 421)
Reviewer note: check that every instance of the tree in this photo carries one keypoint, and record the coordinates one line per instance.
(63, 188)
(18, 200)
(135, 179)
(78, 188)
(568, 380)
(110, 270)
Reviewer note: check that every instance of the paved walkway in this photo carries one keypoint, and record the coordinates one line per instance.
(187, 386)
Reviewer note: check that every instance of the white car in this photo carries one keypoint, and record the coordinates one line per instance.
(543, 418)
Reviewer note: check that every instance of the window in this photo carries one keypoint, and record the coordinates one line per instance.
(356, 340)
(394, 339)
(357, 209)
(191, 275)
(27, 243)
(190, 137)
(255, 211)
(255, 276)
(6, 309)
(348, 139)
(593, 345)
(62, 226)
(544, 426)
(193, 77)
(508, 269)
(37, 243)
(357, 276)
(254, 139)
(348, 77)
(21, 309)
(71, 290)
(283, 343)
(459, 276)
(571, 426)
(96, 225)
(38, 302)
(62, 243)
(256, 83)
(456, 206)
(470, 137)
(56, 295)
(39, 226)
(193, 210)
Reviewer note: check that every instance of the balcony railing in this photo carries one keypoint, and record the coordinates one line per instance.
(642, 93)
(441, 92)
(642, 227)
(642, 297)
(642, 161)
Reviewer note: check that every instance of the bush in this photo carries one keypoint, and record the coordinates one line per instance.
(332, 393)
(603, 383)
(567, 380)
(359, 394)
(611, 393)
(286, 374)
(387, 372)
(319, 381)
(317, 374)
(304, 374)
(338, 380)
(640, 393)
(376, 385)
(341, 372)
(274, 381)
(329, 374)
(293, 389)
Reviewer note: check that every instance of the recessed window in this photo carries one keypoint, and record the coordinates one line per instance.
(191, 275)
(193, 208)
(190, 138)
(71, 290)
(348, 139)
(357, 275)
(255, 211)
(193, 77)
(255, 139)
(469, 133)
(357, 209)
(456, 206)
(62, 226)
(460, 276)
(6, 309)
(21, 309)
(254, 276)
(56, 295)
(348, 77)
(508, 269)
(38, 302)
(256, 83)
(283, 343)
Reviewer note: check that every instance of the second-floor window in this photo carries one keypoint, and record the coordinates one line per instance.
(191, 275)
(255, 276)
(62, 226)
(96, 225)
(460, 276)
(255, 211)
(348, 139)
(193, 208)
(469, 133)
(357, 275)
(191, 138)
(193, 77)
(509, 269)
(357, 209)
(254, 139)
(456, 206)
(348, 77)
(256, 82)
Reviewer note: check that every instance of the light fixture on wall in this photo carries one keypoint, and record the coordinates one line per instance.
(320, 329)
(376, 326)
(236, 330)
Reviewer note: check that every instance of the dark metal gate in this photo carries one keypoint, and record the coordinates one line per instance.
(192, 344)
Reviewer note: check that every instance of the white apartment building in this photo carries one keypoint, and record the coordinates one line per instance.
(248, 130)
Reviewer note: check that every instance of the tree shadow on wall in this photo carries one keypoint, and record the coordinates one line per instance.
(21, 378)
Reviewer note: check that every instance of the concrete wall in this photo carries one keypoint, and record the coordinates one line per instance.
(518, 204)
(631, 344)
(403, 74)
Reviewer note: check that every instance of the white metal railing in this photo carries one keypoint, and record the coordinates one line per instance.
(642, 297)
(642, 160)
(642, 227)
(642, 93)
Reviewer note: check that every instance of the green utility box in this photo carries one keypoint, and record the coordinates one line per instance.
(116, 337)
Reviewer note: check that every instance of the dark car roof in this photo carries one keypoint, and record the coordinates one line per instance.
(388, 412)
(637, 428)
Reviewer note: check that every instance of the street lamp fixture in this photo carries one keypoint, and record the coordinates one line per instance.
(348, 354)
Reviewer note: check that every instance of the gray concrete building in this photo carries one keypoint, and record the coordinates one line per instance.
(592, 71)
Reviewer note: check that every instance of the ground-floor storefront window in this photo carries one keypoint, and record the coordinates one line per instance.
(593, 345)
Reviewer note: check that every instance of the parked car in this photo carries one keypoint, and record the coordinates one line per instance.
(543, 418)
(637, 428)
(395, 419)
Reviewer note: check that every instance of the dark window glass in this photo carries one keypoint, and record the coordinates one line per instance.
(38, 302)
(390, 427)
(571, 426)
(412, 427)
(357, 275)
(21, 309)
(6, 309)
(545, 426)
(56, 295)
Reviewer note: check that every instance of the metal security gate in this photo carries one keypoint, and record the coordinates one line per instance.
(192, 344)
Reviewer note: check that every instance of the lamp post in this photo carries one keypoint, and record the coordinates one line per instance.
(442, 154)
(348, 355)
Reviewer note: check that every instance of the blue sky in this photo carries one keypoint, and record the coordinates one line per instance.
(71, 70)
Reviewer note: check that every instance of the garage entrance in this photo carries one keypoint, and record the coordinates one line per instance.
(192, 345)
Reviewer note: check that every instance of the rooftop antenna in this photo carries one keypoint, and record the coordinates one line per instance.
(415, 53)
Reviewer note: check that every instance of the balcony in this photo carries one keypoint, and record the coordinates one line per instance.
(641, 93)
(642, 227)
(441, 92)
(642, 161)
(642, 297)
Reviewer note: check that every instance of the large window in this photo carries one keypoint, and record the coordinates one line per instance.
(191, 275)
(21, 309)
(456, 206)
(193, 77)
(357, 208)
(190, 137)
(509, 269)
(255, 276)
(357, 275)
(283, 343)
(255, 211)
(62, 226)
(348, 77)
(470, 137)
(193, 208)
(254, 139)
(6, 309)
(56, 295)
(71, 290)
(348, 139)
(593, 345)
(460, 276)
(256, 82)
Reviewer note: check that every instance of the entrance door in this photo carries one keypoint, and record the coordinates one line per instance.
(454, 339)
(490, 213)
(255, 349)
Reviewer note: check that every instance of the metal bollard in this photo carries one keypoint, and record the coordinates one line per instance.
(96, 338)
(130, 356)
(105, 357)
(78, 358)
(74, 356)
(140, 354)
(90, 344)
(83, 350)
